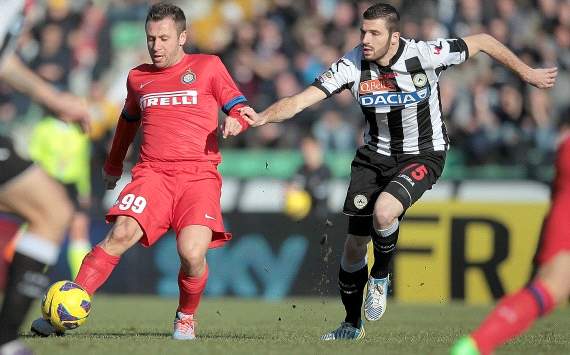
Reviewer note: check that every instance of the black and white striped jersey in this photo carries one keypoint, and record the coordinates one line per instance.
(11, 23)
(400, 102)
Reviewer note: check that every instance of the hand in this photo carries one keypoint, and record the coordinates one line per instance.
(109, 181)
(73, 109)
(252, 117)
(541, 78)
(231, 127)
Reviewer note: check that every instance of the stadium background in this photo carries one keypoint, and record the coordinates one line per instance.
(471, 238)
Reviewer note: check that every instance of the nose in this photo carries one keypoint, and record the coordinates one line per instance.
(156, 45)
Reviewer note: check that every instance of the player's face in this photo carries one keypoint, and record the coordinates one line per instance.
(376, 39)
(164, 43)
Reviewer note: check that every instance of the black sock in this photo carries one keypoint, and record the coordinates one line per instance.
(384, 250)
(26, 282)
(351, 285)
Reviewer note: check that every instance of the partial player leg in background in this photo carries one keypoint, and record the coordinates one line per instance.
(42, 202)
(192, 244)
(515, 313)
(79, 244)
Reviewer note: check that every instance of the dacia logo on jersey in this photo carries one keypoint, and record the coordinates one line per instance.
(394, 98)
(172, 98)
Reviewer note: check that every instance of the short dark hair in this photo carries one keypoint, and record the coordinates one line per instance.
(163, 10)
(386, 12)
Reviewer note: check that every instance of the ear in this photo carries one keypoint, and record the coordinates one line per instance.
(182, 38)
(395, 37)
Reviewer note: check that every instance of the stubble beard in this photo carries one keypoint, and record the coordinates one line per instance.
(381, 54)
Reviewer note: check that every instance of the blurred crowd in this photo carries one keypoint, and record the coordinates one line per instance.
(274, 48)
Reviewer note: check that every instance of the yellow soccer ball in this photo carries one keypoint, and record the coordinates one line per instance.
(66, 305)
(297, 204)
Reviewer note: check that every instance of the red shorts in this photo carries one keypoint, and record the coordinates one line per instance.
(173, 195)
(556, 231)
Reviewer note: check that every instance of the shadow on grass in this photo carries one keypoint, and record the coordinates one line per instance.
(143, 334)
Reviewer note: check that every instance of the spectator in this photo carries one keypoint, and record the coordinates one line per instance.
(313, 176)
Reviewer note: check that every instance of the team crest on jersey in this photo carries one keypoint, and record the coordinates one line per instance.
(360, 201)
(188, 77)
(325, 76)
(420, 80)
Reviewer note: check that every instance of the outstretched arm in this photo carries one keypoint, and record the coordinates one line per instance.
(67, 106)
(285, 108)
(541, 78)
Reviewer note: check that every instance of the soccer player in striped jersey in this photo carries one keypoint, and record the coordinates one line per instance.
(395, 82)
(26, 189)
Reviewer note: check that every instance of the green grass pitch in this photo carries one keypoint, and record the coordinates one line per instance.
(142, 325)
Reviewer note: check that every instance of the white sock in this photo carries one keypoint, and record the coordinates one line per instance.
(38, 248)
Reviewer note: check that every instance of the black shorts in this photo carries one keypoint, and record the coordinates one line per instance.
(11, 164)
(404, 176)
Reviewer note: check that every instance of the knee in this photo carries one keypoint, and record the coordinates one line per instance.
(57, 217)
(383, 218)
(355, 248)
(192, 259)
(386, 210)
(557, 278)
(123, 235)
(559, 289)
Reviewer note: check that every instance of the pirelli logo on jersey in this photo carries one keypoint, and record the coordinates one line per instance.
(394, 98)
(171, 98)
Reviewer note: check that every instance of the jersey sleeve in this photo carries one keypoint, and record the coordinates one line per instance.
(341, 74)
(224, 88)
(131, 110)
(125, 133)
(443, 53)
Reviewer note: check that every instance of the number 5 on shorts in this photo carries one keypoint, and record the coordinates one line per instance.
(132, 202)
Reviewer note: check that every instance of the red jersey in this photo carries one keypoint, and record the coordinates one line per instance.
(178, 109)
(556, 231)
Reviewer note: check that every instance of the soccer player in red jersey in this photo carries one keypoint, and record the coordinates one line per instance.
(175, 100)
(515, 313)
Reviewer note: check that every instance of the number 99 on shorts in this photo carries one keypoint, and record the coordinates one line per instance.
(134, 203)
